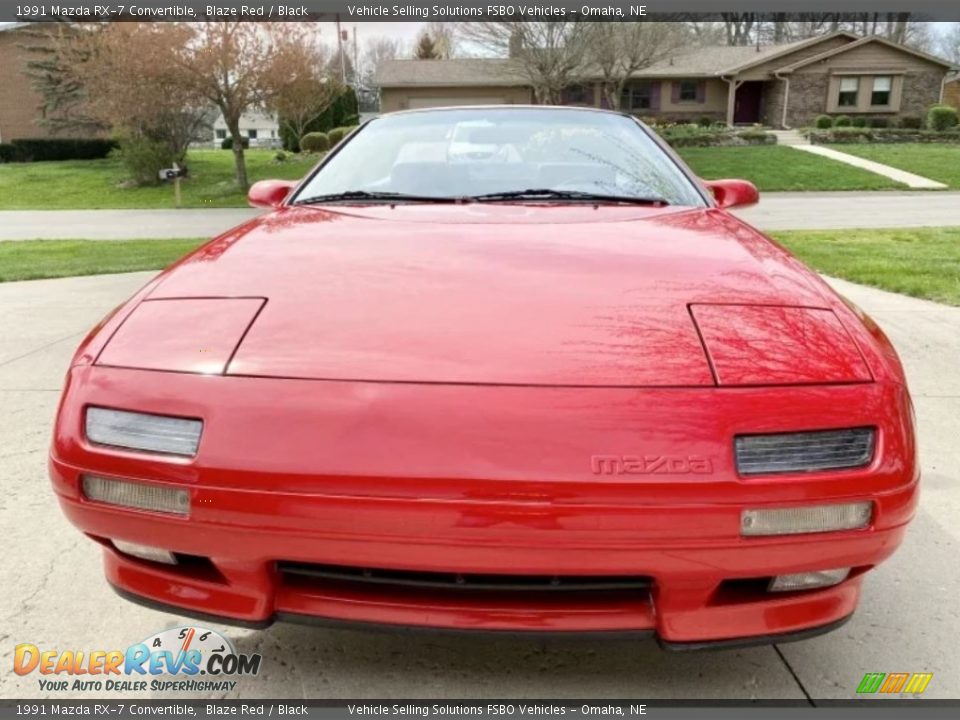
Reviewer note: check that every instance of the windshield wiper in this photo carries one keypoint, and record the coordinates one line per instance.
(366, 195)
(549, 194)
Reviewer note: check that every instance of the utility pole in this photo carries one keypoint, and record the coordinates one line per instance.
(343, 60)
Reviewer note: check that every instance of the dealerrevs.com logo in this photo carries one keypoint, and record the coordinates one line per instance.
(183, 659)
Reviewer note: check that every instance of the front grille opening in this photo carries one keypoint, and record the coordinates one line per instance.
(462, 582)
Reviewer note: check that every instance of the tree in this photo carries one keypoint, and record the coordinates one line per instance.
(240, 66)
(618, 50)
(56, 53)
(549, 55)
(444, 37)
(376, 51)
(309, 89)
(949, 45)
(739, 27)
(426, 49)
(139, 91)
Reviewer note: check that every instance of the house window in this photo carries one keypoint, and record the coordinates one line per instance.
(221, 134)
(688, 91)
(849, 86)
(636, 97)
(576, 95)
(252, 134)
(882, 86)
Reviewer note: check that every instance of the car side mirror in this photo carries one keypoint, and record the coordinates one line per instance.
(733, 193)
(269, 193)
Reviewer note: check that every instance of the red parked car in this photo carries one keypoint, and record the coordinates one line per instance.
(501, 369)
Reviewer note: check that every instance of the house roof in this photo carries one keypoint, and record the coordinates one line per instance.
(871, 39)
(459, 72)
(715, 60)
(710, 61)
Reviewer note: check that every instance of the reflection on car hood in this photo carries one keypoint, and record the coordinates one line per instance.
(503, 294)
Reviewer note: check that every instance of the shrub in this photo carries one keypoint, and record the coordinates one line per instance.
(705, 121)
(227, 143)
(342, 112)
(315, 142)
(144, 157)
(883, 135)
(7, 152)
(859, 121)
(879, 122)
(942, 117)
(824, 122)
(280, 156)
(757, 137)
(911, 122)
(842, 121)
(47, 149)
(337, 134)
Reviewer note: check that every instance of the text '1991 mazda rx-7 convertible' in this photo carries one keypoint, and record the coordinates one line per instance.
(499, 369)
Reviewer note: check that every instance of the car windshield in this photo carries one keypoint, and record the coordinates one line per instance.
(501, 154)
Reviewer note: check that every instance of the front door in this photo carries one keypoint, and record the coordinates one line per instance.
(746, 108)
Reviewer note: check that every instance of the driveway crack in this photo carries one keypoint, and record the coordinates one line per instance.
(42, 347)
(796, 678)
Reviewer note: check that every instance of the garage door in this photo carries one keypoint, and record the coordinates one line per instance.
(428, 102)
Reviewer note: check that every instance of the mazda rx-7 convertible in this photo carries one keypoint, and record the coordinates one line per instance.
(497, 369)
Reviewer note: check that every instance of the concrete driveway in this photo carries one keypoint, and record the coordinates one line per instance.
(54, 594)
(776, 211)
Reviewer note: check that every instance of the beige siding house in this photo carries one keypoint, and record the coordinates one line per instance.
(777, 85)
(951, 91)
(412, 84)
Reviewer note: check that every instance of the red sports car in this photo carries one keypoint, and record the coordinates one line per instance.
(500, 369)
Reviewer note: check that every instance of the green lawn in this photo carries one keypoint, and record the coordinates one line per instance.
(922, 262)
(935, 161)
(34, 259)
(96, 184)
(774, 167)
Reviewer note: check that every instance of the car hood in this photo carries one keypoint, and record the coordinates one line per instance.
(486, 294)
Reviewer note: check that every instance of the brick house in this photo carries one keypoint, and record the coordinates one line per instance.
(777, 85)
(19, 102)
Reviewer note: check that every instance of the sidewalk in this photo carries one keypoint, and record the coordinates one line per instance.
(119, 224)
(901, 176)
(776, 211)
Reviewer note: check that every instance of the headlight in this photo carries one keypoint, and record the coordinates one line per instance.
(804, 451)
(139, 431)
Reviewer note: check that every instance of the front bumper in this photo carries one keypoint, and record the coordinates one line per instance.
(487, 491)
